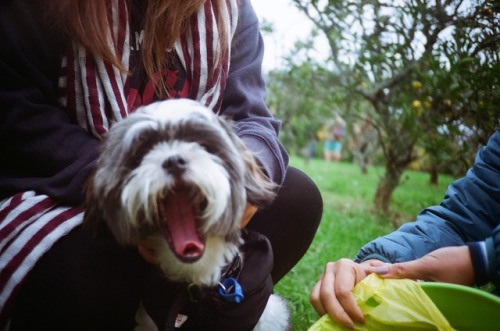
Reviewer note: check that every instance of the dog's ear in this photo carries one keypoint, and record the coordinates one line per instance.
(93, 220)
(96, 218)
(260, 190)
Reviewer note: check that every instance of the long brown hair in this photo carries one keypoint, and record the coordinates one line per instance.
(165, 22)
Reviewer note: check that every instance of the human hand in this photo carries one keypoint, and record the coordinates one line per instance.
(448, 264)
(332, 294)
(250, 210)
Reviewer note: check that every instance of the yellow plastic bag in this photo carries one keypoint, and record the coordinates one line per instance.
(391, 304)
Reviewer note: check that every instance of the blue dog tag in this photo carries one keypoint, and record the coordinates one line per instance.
(231, 290)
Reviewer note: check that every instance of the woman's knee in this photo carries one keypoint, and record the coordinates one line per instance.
(301, 195)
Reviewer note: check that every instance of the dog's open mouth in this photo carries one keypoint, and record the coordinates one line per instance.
(179, 225)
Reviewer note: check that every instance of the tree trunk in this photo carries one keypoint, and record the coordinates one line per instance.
(386, 188)
(434, 175)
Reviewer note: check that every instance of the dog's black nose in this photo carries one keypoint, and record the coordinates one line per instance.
(175, 164)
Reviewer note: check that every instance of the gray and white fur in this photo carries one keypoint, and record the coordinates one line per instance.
(174, 177)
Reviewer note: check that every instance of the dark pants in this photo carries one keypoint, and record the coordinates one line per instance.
(88, 283)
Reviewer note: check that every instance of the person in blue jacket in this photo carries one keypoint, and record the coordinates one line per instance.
(457, 241)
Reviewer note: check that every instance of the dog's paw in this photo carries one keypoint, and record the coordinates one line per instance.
(275, 317)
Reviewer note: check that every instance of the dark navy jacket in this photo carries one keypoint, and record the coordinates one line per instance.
(470, 212)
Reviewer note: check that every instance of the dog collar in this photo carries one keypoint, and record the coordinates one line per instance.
(233, 269)
(230, 290)
(227, 288)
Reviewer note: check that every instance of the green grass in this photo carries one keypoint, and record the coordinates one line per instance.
(349, 222)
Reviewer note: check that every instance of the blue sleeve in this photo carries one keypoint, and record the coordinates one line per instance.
(469, 212)
(244, 97)
(493, 253)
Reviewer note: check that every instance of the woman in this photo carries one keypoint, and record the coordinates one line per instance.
(69, 69)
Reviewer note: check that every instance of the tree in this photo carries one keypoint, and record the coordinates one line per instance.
(301, 97)
(422, 67)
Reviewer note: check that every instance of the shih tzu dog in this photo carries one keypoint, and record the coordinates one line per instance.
(174, 179)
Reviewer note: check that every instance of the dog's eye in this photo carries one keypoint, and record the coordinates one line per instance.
(142, 144)
(205, 147)
(136, 160)
(202, 206)
(137, 155)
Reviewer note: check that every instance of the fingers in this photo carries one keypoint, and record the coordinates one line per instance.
(332, 294)
(333, 301)
(448, 264)
(375, 263)
(347, 276)
(411, 270)
(315, 299)
(250, 210)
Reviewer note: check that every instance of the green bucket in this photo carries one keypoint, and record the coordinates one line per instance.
(465, 308)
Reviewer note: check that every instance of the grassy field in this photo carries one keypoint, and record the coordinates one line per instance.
(348, 222)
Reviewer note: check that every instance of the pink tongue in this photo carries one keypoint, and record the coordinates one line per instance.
(182, 224)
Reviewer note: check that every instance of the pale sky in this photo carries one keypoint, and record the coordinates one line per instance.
(290, 25)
